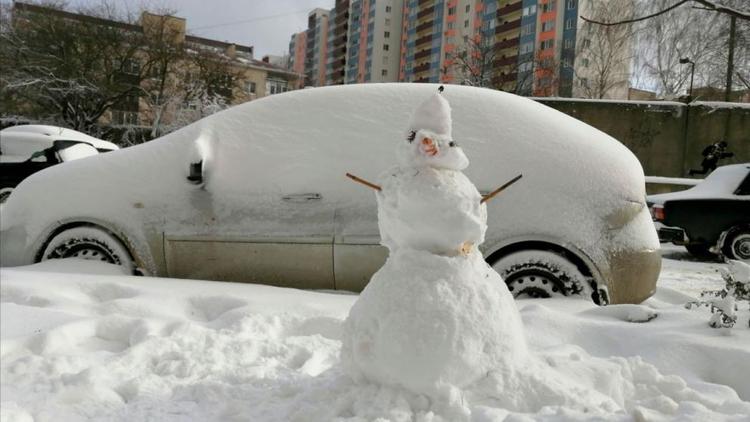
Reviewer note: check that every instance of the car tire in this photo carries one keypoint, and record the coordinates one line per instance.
(89, 243)
(4, 194)
(700, 250)
(736, 243)
(541, 274)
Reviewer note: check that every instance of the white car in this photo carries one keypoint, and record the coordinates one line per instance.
(257, 193)
(26, 149)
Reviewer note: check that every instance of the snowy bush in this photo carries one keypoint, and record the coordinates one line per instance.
(723, 303)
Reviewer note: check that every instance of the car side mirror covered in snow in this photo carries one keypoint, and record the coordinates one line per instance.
(195, 172)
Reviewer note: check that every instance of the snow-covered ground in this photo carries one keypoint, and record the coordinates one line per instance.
(82, 341)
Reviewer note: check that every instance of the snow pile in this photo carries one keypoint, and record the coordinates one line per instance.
(106, 346)
(450, 323)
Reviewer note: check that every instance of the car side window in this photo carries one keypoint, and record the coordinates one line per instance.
(744, 188)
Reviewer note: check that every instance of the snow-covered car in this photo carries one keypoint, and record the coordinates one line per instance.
(711, 218)
(27, 149)
(257, 193)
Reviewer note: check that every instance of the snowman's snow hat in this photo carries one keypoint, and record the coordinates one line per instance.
(433, 115)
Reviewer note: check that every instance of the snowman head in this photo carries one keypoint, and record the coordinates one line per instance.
(429, 141)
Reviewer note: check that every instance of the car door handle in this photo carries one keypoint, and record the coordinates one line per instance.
(302, 197)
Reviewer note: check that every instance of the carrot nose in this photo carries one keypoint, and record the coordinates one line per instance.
(426, 141)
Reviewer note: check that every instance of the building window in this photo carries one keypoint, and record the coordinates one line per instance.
(452, 10)
(120, 117)
(385, 47)
(568, 43)
(585, 62)
(586, 43)
(468, 7)
(250, 88)
(386, 34)
(546, 44)
(466, 23)
(275, 86)
(388, 9)
(527, 47)
(584, 82)
(548, 7)
(570, 24)
(451, 25)
(570, 4)
(548, 26)
(387, 22)
(527, 29)
(384, 72)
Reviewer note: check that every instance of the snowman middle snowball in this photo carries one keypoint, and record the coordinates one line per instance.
(435, 314)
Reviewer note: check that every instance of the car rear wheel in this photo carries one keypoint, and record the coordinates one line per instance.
(541, 274)
(4, 194)
(736, 244)
(88, 243)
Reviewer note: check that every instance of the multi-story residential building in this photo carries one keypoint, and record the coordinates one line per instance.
(338, 36)
(374, 29)
(316, 47)
(297, 53)
(248, 79)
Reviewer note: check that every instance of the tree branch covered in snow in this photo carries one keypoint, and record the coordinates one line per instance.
(723, 303)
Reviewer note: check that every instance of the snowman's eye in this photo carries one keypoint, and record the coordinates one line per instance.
(452, 144)
(411, 136)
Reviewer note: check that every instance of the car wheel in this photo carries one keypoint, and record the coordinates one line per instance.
(736, 244)
(88, 243)
(700, 250)
(541, 274)
(4, 194)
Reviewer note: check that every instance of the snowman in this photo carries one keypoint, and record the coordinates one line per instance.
(435, 316)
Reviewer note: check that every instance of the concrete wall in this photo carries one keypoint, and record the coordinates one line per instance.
(667, 137)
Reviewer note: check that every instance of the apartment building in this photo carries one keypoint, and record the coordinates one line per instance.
(297, 54)
(531, 47)
(338, 37)
(374, 37)
(316, 47)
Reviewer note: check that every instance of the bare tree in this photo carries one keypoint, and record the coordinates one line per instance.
(603, 55)
(474, 62)
(73, 71)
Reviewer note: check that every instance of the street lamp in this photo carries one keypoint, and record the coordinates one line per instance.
(686, 60)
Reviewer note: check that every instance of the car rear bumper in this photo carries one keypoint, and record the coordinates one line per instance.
(633, 275)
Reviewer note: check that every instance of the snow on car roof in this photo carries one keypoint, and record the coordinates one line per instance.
(720, 184)
(53, 133)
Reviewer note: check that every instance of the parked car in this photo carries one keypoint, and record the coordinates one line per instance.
(711, 218)
(27, 149)
(258, 193)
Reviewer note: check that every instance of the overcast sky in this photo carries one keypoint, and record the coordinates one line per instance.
(264, 24)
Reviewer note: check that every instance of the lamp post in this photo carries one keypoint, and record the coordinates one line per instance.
(686, 60)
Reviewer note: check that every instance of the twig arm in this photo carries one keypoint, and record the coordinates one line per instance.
(500, 189)
(364, 182)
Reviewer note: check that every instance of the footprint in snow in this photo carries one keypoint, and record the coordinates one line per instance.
(628, 313)
(104, 292)
(209, 308)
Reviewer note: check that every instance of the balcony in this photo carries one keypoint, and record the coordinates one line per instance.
(507, 10)
(422, 68)
(340, 18)
(423, 54)
(513, 42)
(505, 61)
(508, 26)
(424, 2)
(425, 39)
(424, 26)
(339, 51)
(427, 12)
